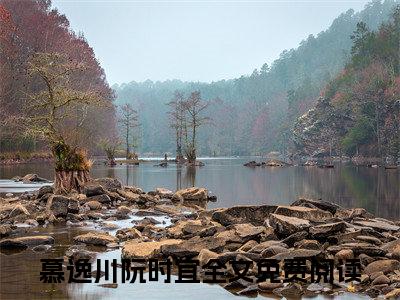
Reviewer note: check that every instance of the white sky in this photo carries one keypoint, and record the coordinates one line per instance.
(195, 40)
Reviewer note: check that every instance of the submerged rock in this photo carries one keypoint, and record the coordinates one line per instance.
(26, 241)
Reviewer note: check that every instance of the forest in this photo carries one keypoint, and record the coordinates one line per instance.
(256, 113)
(252, 114)
(34, 36)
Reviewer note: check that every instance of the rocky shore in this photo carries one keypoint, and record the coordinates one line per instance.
(305, 229)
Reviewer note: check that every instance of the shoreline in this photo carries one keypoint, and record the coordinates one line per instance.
(307, 228)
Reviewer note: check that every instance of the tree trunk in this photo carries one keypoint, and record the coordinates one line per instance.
(68, 181)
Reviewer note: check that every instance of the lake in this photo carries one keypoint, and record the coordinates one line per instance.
(375, 189)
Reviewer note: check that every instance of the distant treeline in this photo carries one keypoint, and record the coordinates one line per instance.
(255, 114)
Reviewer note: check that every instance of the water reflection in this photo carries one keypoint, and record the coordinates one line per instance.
(377, 190)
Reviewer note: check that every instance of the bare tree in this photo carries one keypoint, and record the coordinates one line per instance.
(178, 122)
(129, 120)
(110, 147)
(55, 103)
(194, 107)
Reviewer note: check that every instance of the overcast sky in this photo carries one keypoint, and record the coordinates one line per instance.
(195, 40)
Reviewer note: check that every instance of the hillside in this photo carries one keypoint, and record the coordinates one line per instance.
(359, 111)
(254, 114)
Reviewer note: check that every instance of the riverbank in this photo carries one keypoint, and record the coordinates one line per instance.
(178, 224)
(17, 158)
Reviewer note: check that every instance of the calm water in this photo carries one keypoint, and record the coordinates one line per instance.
(377, 190)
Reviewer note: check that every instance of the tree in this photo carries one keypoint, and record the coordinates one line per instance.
(177, 119)
(129, 121)
(110, 146)
(55, 103)
(194, 107)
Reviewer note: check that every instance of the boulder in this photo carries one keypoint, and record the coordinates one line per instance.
(123, 210)
(191, 194)
(128, 195)
(254, 214)
(285, 225)
(308, 244)
(394, 294)
(128, 234)
(344, 255)
(58, 206)
(26, 241)
(193, 246)
(18, 209)
(103, 198)
(47, 189)
(295, 237)
(33, 178)
(378, 225)
(296, 253)
(325, 230)
(205, 255)
(348, 214)
(96, 238)
(145, 250)
(248, 245)
(164, 193)
(93, 205)
(252, 164)
(306, 213)
(146, 199)
(273, 250)
(358, 248)
(6, 230)
(264, 245)
(248, 231)
(381, 279)
(385, 266)
(323, 205)
(133, 189)
(109, 184)
(73, 206)
(269, 286)
(93, 189)
(199, 227)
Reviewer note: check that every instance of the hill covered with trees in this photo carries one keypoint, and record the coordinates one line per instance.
(45, 67)
(359, 110)
(255, 113)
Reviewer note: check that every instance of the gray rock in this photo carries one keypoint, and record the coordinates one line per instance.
(109, 184)
(93, 189)
(285, 225)
(58, 205)
(103, 198)
(47, 189)
(26, 241)
(254, 214)
(325, 230)
(306, 213)
(327, 206)
(385, 266)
